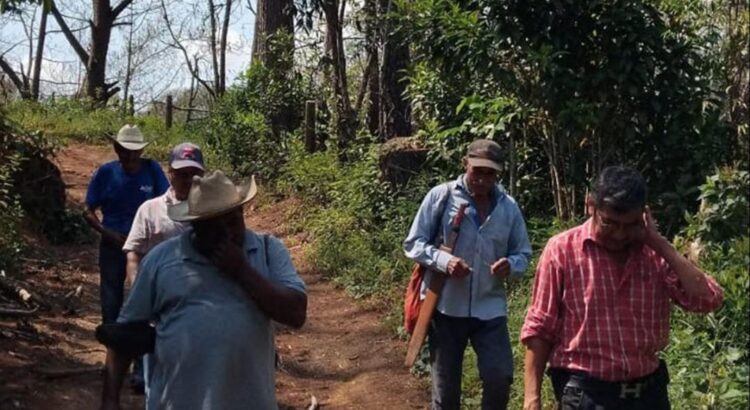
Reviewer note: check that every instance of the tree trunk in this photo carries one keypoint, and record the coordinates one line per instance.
(128, 64)
(221, 87)
(274, 21)
(372, 40)
(272, 16)
(212, 44)
(39, 55)
(344, 117)
(104, 17)
(395, 117)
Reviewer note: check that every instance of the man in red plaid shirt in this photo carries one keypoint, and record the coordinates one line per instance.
(599, 311)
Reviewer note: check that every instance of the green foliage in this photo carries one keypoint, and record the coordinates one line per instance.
(724, 212)
(66, 119)
(577, 85)
(10, 206)
(708, 355)
(251, 126)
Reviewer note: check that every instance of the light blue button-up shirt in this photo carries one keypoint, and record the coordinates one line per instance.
(214, 346)
(503, 234)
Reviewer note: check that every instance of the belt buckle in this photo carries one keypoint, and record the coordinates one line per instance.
(630, 388)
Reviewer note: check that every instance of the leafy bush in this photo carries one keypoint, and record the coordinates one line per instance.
(707, 355)
(252, 125)
(724, 212)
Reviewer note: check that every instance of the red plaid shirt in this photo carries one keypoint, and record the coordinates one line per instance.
(603, 318)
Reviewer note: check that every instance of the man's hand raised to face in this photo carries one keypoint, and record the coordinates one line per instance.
(650, 234)
(229, 258)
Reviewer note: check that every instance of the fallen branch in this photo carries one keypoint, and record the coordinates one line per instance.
(21, 294)
(10, 312)
(58, 373)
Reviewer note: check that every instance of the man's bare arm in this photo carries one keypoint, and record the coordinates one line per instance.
(537, 354)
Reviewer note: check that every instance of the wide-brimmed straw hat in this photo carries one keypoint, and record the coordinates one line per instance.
(212, 195)
(130, 138)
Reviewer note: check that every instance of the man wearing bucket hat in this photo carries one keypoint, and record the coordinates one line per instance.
(117, 189)
(212, 293)
(492, 245)
(152, 225)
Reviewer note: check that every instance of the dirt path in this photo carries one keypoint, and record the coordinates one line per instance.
(343, 355)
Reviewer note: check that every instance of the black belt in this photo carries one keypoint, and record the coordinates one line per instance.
(631, 389)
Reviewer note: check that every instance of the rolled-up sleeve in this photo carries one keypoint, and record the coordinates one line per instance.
(427, 222)
(519, 247)
(543, 318)
(137, 240)
(710, 302)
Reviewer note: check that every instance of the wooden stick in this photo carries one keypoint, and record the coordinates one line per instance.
(429, 304)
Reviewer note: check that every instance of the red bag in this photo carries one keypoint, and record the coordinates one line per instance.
(412, 303)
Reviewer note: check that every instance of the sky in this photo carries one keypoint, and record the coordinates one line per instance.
(62, 70)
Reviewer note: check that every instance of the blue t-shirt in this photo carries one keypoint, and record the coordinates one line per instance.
(119, 194)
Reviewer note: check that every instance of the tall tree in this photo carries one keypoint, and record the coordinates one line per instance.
(395, 114)
(26, 80)
(35, 77)
(95, 60)
(272, 16)
(344, 116)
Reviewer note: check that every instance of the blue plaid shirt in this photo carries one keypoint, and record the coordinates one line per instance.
(503, 234)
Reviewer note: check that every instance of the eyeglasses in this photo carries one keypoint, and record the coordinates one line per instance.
(609, 224)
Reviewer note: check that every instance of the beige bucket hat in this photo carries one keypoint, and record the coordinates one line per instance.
(130, 137)
(212, 195)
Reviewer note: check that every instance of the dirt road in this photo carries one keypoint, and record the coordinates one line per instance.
(343, 355)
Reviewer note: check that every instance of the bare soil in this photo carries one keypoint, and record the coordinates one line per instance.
(343, 356)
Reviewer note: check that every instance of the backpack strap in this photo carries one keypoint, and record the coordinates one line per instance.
(442, 202)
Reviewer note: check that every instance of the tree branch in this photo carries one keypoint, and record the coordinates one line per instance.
(17, 82)
(119, 8)
(82, 54)
(178, 45)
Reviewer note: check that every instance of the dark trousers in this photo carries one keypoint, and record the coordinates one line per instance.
(448, 337)
(112, 263)
(578, 391)
(112, 271)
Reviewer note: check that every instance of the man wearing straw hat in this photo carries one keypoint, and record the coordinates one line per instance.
(212, 293)
(117, 189)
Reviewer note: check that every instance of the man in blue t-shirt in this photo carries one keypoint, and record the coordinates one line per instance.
(117, 189)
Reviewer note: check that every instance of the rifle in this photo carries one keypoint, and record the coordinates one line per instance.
(433, 294)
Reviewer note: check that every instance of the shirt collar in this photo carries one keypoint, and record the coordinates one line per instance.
(587, 232)
(170, 198)
(499, 192)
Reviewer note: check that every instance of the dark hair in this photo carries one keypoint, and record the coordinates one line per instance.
(619, 188)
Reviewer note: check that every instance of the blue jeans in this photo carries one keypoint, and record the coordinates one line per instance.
(112, 263)
(448, 337)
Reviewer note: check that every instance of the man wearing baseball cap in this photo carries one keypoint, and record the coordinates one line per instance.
(117, 189)
(152, 226)
(492, 245)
